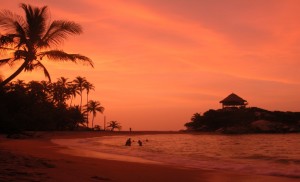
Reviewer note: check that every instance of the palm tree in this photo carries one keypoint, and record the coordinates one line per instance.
(79, 83)
(114, 125)
(93, 107)
(37, 92)
(30, 39)
(61, 91)
(73, 92)
(46, 86)
(66, 87)
(88, 86)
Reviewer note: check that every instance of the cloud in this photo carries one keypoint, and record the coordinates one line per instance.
(176, 57)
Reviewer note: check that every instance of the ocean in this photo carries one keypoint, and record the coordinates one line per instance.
(264, 154)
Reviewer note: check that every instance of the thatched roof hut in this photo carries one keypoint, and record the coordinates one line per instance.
(233, 100)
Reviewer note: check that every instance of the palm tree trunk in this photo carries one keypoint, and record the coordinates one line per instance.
(16, 73)
(71, 101)
(87, 101)
(80, 99)
(93, 121)
(87, 123)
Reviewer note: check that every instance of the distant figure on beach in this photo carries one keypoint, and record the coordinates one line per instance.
(129, 129)
(140, 143)
(128, 142)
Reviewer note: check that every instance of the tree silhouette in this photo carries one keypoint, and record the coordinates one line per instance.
(88, 86)
(37, 92)
(29, 39)
(79, 83)
(114, 125)
(40, 106)
(61, 91)
(18, 86)
(93, 107)
(73, 92)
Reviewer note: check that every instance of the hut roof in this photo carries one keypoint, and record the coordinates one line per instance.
(233, 98)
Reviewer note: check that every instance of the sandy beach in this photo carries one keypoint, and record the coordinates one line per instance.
(38, 159)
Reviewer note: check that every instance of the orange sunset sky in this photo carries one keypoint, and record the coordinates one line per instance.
(157, 62)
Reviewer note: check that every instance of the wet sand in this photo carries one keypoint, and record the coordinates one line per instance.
(38, 159)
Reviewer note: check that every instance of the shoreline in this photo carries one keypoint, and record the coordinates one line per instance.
(41, 160)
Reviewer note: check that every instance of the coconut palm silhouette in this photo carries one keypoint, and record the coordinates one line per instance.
(30, 39)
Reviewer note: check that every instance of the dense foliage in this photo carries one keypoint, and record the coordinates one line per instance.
(245, 120)
(41, 106)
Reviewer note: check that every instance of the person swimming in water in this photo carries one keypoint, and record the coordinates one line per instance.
(128, 142)
(140, 143)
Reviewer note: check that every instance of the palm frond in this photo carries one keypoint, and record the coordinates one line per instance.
(36, 21)
(100, 109)
(37, 64)
(14, 25)
(16, 40)
(20, 54)
(21, 34)
(62, 56)
(4, 61)
(88, 86)
(7, 39)
(46, 73)
(58, 32)
(8, 20)
(6, 48)
(9, 61)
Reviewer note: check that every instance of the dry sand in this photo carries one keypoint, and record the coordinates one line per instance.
(37, 159)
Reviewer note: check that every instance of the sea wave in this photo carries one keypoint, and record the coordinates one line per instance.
(248, 154)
